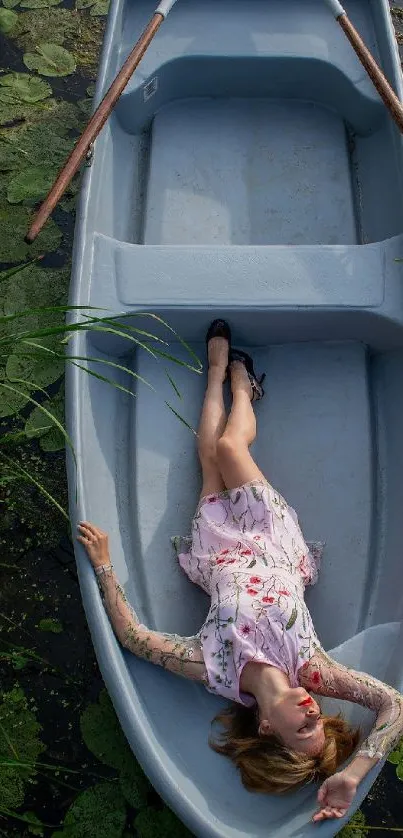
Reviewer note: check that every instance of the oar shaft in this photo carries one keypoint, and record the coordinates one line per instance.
(375, 73)
(97, 121)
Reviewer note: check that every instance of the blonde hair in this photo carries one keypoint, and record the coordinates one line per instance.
(267, 765)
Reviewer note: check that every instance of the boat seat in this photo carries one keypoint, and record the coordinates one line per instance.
(257, 49)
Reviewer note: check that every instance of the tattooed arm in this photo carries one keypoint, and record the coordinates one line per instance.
(182, 655)
(325, 677)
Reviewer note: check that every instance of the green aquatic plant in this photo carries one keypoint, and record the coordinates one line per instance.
(8, 21)
(50, 60)
(396, 758)
(51, 625)
(104, 737)
(20, 747)
(98, 812)
(153, 823)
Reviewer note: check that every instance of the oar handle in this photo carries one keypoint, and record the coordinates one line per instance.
(97, 121)
(375, 73)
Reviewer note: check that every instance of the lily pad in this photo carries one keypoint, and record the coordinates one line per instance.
(31, 183)
(50, 60)
(97, 7)
(8, 20)
(10, 4)
(99, 812)
(39, 4)
(50, 624)
(20, 736)
(14, 222)
(26, 88)
(10, 402)
(102, 733)
(38, 424)
(134, 784)
(151, 822)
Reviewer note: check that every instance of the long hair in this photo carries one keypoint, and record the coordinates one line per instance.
(268, 766)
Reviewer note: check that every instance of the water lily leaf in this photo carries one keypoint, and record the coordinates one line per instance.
(85, 106)
(25, 87)
(38, 4)
(100, 7)
(31, 183)
(396, 755)
(99, 812)
(38, 425)
(10, 157)
(50, 623)
(43, 369)
(134, 784)
(8, 20)
(50, 60)
(10, 4)
(103, 735)
(10, 403)
(152, 822)
(14, 222)
(19, 743)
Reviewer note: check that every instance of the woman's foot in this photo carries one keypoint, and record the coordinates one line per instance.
(218, 341)
(243, 375)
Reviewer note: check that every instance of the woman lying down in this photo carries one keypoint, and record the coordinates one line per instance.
(258, 645)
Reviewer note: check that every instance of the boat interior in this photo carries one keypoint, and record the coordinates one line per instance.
(249, 171)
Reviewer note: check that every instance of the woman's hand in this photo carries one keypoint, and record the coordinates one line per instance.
(95, 542)
(335, 796)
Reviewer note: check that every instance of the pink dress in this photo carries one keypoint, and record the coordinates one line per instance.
(248, 553)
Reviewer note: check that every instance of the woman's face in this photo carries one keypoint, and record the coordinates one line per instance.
(296, 720)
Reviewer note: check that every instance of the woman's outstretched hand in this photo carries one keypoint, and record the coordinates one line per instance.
(335, 796)
(95, 542)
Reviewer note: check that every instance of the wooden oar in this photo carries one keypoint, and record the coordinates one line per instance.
(383, 87)
(97, 121)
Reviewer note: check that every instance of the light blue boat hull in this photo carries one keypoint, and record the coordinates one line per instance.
(249, 171)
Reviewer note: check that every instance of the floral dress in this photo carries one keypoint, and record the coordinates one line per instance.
(248, 553)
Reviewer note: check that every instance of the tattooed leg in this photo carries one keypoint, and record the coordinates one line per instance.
(236, 464)
(213, 417)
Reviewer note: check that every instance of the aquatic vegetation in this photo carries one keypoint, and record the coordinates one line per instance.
(20, 747)
(50, 624)
(98, 812)
(396, 758)
(50, 60)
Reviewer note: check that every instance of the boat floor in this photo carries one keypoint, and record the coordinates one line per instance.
(241, 171)
(315, 443)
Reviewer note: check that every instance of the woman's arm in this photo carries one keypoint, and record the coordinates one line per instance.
(182, 655)
(325, 676)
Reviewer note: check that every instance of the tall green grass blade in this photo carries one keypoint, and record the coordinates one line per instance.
(171, 381)
(178, 416)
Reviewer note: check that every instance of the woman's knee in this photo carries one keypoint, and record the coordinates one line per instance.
(208, 455)
(228, 448)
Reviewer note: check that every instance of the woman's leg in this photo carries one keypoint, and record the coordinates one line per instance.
(213, 417)
(235, 462)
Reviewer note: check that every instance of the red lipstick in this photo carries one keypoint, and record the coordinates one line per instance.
(305, 702)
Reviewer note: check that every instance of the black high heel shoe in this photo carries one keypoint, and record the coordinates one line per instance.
(247, 361)
(219, 329)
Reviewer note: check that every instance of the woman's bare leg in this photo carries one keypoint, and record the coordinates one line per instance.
(235, 462)
(213, 417)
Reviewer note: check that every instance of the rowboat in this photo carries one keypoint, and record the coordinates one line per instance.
(249, 170)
